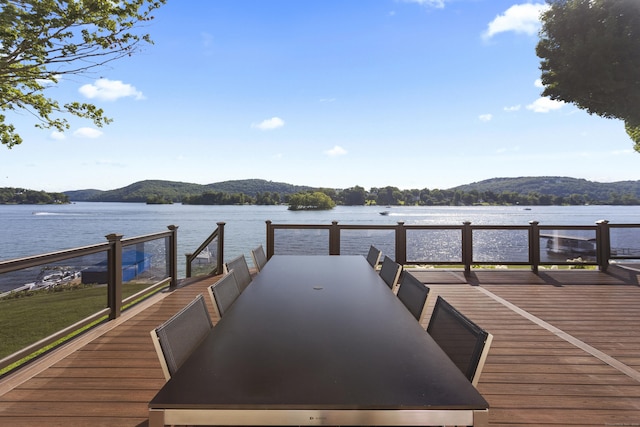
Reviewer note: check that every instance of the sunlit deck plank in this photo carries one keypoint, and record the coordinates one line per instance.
(532, 376)
(108, 381)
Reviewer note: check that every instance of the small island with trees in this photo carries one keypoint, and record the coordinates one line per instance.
(317, 201)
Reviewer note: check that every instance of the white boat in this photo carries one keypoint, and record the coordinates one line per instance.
(570, 245)
(204, 257)
(54, 277)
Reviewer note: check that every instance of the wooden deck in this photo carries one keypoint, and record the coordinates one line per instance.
(566, 352)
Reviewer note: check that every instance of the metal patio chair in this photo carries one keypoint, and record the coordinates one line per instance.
(466, 344)
(390, 273)
(373, 257)
(259, 257)
(224, 292)
(241, 270)
(175, 339)
(414, 295)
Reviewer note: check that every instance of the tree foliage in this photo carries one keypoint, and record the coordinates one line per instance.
(22, 196)
(353, 196)
(42, 41)
(254, 186)
(590, 57)
(547, 190)
(218, 198)
(310, 201)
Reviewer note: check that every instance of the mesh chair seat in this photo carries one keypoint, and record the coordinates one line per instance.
(176, 338)
(224, 292)
(259, 257)
(241, 271)
(414, 295)
(466, 344)
(390, 272)
(373, 257)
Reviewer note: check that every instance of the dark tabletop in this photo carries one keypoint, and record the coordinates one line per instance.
(318, 332)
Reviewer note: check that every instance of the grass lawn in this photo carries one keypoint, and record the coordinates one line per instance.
(30, 318)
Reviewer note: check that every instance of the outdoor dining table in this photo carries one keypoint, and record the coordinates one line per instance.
(318, 340)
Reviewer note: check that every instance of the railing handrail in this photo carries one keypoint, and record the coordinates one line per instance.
(7, 266)
(217, 233)
(114, 248)
(601, 229)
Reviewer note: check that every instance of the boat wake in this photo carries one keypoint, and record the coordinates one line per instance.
(55, 214)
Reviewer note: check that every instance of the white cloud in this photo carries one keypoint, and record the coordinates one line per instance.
(544, 105)
(58, 136)
(519, 18)
(269, 124)
(485, 117)
(439, 4)
(91, 133)
(109, 90)
(336, 151)
(512, 108)
(538, 83)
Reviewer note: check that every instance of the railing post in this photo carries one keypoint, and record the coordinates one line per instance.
(187, 264)
(401, 243)
(467, 246)
(270, 239)
(220, 257)
(334, 239)
(534, 245)
(603, 244)
(172, 256)
(114, 275)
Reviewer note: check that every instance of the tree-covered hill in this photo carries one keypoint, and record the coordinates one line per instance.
(253, 187)
(144, 191)
(140, 192)
(555, 186)
(83, 195)
(497, 191)
(21, 196)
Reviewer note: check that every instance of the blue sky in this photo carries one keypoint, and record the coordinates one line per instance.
(408, 93)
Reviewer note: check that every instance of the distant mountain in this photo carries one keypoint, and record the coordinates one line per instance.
(522, 190)
(83, 195)
(555, 186)
(252, 187)
(143, 191)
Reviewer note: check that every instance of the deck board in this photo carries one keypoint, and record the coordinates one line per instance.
(532, 377)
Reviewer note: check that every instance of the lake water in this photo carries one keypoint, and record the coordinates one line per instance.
(31, 230)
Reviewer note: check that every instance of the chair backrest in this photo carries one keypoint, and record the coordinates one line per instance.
(414, 295)
(466, 344)
(373, 257)
(390, 272)
(175, 339)
(224, 292)
(259, 257)
(241, 270)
